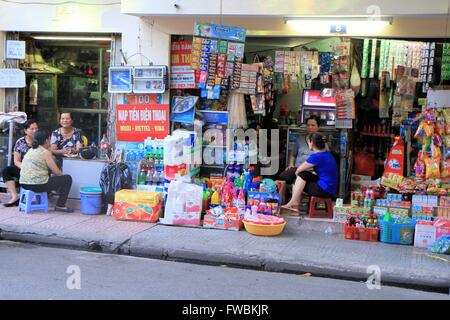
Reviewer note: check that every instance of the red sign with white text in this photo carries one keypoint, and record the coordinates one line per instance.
(181, 74)
(135, 123)
(151, 98)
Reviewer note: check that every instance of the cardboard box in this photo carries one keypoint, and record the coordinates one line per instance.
(222, 222)
(137, 205)
(254, 195)
(340, 213)
(442, 227)
(444, 201)
(443, 212)
(425, 234)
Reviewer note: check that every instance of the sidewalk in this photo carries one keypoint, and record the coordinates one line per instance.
(303, 247)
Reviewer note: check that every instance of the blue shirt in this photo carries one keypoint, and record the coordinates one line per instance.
(326, 168)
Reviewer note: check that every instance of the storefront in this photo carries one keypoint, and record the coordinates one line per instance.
(181, 98)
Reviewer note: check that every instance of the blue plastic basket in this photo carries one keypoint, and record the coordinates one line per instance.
(397, 233)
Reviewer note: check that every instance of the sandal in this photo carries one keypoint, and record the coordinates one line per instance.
(64, 209)
(290, 209)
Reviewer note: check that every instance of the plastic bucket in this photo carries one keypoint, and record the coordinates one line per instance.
(90, 200)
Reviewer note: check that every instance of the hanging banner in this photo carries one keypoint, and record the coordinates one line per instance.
(211, 30)
(181, 74)
(135, 123)
(183, 109)
(150, 98)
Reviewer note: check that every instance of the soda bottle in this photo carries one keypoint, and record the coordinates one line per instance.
(104, 146)
(142, 176)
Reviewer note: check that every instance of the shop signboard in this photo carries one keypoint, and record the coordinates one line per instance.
(12, 78)
(338, 28)
(15, 49)
(183, 109)
(153, 98)
(211, 30)
(181, 74)
(135, 123)
(120, 80)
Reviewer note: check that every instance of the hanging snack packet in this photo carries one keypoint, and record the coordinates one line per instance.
(445, 170)
(419, 166)
(432, 168)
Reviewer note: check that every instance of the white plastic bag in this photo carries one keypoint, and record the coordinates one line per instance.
(183, 204)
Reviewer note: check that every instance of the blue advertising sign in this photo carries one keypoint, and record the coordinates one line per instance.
(120, 80)
(215, 116)
(211, 30)
(183, 109)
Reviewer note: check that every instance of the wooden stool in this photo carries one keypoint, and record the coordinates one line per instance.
(320, 208)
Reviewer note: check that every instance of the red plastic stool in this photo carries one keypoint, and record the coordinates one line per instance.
(320, 208)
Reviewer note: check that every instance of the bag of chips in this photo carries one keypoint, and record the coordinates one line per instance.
(432, 168)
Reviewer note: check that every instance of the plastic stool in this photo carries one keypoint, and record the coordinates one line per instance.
(320, 208)
(27, 204)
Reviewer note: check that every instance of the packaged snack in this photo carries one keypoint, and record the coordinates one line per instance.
(432, 168)
(445, 170)
(419, 166)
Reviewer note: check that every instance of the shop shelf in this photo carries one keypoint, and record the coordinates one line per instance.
(379, 135)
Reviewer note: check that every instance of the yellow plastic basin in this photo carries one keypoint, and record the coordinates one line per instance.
(264, 229)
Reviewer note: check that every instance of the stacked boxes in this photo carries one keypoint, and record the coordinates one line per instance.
(443, 211)
(423, 207)
(341, 213)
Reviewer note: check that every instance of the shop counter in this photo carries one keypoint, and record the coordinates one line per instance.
(84, 173)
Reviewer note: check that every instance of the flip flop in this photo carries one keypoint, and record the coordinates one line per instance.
(290, 208)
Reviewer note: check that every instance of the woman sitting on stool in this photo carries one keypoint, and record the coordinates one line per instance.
(324, 183)
(34, 175)
(11, 173)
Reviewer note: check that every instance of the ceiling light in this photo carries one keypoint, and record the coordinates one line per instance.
(71, 38)
(320, 25)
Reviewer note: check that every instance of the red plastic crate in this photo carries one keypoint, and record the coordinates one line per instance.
(363, 234)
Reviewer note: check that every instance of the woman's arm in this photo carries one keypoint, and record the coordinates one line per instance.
(56, 152)
(303, 167)
(52, 164)
(17, 159)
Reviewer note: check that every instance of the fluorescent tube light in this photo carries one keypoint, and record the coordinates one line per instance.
(320, 25)
(71, 38)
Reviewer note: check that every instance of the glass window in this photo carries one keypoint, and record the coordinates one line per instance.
(72, 77)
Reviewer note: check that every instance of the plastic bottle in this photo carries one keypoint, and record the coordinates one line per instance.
(141, 177)
(215, 200)
(104, 146)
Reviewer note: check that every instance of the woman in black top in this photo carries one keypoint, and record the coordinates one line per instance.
(12, 173)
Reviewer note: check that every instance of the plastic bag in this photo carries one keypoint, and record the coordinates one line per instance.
(432, 168)
(114, 177)
(183, 204)
(442, 245)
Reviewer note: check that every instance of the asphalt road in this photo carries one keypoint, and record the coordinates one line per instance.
(42, 273)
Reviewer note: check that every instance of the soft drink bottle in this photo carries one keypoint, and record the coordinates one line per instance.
(104, 146)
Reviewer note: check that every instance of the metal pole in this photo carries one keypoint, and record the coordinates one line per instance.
(10, 141)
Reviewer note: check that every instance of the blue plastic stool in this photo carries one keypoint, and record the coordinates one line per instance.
(27, 204)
